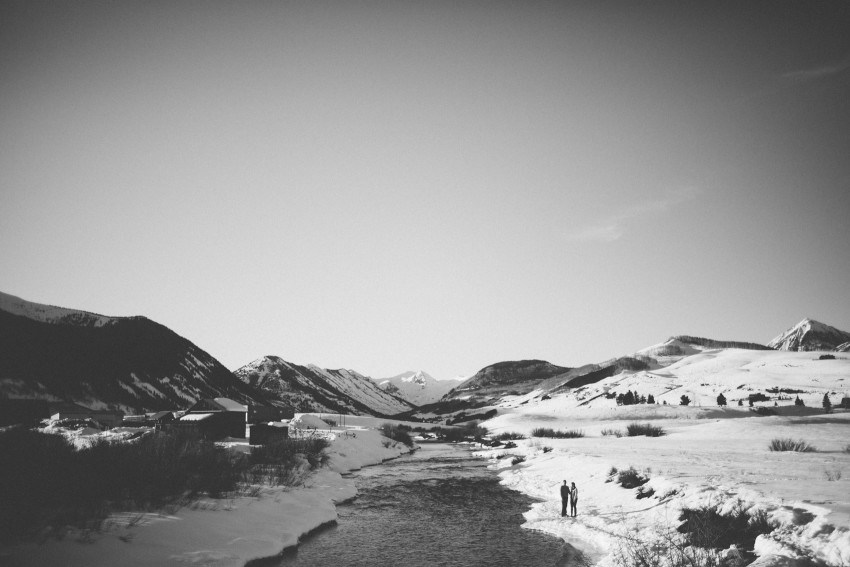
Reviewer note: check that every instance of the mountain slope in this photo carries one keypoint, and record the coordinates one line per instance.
(129, 363)
(314, 389)
(506, 378)
(418, 387)
(810, 335)
(700, 369)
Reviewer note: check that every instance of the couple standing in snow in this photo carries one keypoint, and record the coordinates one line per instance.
(569, 497)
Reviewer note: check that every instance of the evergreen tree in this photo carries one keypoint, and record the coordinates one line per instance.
(629, 399)
(621, 399)
(684, 400)
(650, 399)
(740, 402)
(798, 402)
(643, 399)
(721, 399)
(827, 405)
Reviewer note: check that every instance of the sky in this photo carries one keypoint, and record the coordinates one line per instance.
(392, 186)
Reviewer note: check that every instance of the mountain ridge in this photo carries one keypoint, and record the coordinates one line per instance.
(128, 363)
(313, 389)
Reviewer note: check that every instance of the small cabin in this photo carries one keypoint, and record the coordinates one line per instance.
(216, 418)
(106, 418)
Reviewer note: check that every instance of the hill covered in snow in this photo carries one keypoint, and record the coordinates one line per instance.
(128, 363)
(313, 389)
(699, 368)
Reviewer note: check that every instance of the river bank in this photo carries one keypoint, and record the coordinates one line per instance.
(707, 458)
(229, 532)
(440, 505)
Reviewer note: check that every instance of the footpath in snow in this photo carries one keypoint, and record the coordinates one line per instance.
(219, 532)
(707, 458)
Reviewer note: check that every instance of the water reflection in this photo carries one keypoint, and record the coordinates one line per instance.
(435, 507)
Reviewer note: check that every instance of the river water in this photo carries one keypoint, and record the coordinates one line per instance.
(435, 507)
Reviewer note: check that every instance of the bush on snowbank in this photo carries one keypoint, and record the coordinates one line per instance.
(798, 446)
(612, 432)
(557, 434)
(509, 436)
(703, 539)
(631, 478)
(636, 429)
(706, 527)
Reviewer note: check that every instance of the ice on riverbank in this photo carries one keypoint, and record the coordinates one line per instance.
(221, 532)
(717, 457)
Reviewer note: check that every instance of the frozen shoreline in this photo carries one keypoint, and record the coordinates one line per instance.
(221, 533)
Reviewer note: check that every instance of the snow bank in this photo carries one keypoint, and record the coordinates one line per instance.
(707, 458)
(218, 533)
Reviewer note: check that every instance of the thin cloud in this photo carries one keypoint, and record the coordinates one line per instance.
(613, 227)
(806, 75)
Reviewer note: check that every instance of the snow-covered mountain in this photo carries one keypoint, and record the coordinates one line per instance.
(128, 363)
(313, 389)
(809, 334)
(698, 367)
(418, 388)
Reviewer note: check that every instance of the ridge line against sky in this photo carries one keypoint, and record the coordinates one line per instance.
(441, 185)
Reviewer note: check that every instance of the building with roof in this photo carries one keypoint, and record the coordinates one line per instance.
(216, 418)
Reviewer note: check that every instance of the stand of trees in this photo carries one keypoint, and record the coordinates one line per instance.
(631, 398)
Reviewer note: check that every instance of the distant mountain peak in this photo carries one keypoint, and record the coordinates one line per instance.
(810, 334)
(416, 386)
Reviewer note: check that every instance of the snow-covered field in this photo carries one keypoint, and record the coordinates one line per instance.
(709, 456)
(227, 532)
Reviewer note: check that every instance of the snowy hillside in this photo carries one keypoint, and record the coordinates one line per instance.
(127, 363)
(310, 388)
(417, 387)
(669, 370)
(811, 335)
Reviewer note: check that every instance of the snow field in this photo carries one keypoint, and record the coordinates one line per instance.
(709, 456)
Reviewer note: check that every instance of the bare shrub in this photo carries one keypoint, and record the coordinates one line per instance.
(556, 434)
(517, 460)
(636, 429)
(705, 539)
(612, 432)
(832, 475)
(798, 446)
(631, 478)
(707, 528)
(508, 436)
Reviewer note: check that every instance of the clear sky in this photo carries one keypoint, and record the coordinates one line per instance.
(387, 186)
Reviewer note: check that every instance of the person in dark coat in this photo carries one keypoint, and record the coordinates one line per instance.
(574, 499)
(565, 498)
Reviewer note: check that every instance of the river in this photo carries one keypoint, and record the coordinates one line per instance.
(435, 507)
